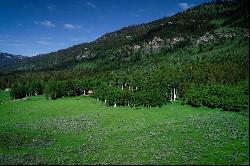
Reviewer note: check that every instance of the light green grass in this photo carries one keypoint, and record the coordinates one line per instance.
(4, 96)
(81, 130)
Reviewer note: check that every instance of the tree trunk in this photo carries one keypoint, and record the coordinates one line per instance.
(171, 96)
(174, 96)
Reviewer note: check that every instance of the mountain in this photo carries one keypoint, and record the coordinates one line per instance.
(201, 55)
(9, 59)
(191, 27)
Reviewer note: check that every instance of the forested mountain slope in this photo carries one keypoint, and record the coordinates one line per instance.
(7, 60)
(195, 26)
(202, 53)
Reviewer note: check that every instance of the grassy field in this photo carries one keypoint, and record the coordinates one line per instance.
(81, 130)
(5, 97)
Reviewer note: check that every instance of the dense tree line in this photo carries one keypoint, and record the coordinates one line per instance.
(132, 96)
(219, 96)
(57, 89)
(24, 89)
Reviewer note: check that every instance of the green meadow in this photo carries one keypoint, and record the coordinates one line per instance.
(82, 130)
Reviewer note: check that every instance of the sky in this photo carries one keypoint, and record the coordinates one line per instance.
(32, 27)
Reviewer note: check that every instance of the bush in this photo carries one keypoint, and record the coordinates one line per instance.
(23, 89)
(18, 90)
(113, 95)
(228, 97)
(57, 89)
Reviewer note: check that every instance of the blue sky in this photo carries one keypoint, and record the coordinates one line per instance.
(31, 27)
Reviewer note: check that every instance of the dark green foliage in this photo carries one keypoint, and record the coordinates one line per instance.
(24, 89)
(57, 89)
(34, 88)
(218, 96)
(18, 90)
(130, 97)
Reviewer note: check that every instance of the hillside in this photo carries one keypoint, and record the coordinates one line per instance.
(7, 60)
(202, 53)
(199, 25)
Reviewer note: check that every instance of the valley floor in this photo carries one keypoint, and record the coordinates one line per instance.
(81, 130)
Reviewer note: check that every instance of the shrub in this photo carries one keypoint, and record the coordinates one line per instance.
(228, 97)
(18, 90)
(57, 89)
(23, 89)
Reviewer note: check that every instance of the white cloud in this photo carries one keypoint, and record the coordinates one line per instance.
(69, 26)
(72, 26)
(90, 4)
(46, 23)
(51, 8)
(184, 5)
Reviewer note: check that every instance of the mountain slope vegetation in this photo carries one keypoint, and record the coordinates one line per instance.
(8, 60)
(200, 50)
